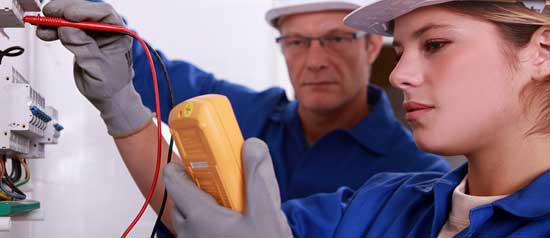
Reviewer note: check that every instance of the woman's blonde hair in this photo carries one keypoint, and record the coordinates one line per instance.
(517, 24)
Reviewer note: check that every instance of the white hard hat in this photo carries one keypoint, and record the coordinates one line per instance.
(373, 18)
(288, 7)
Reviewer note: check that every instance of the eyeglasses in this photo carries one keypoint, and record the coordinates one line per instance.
(292, 45)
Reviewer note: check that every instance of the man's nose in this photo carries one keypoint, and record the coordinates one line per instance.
(317, 57)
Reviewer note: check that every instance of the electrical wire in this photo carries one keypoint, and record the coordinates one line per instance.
(15, 193)
(95, 26)
(15, 174)
(3, 164)
(165, 195)
(27, 173)
(3, 196)
(166, 75)
(170, 147)
(11, 52)
(7, 184)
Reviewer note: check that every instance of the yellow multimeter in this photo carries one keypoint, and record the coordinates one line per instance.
(209, 140)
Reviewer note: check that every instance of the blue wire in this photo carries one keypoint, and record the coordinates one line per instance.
(12, 194)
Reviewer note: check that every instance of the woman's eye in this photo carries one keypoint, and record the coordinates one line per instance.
(432, 46)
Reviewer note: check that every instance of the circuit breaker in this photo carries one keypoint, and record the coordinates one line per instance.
(27, 124)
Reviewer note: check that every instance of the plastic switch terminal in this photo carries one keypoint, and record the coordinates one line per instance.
(40, 114)
(58, 127)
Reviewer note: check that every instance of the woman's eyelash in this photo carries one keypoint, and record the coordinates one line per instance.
(430, 46)
(433, 45)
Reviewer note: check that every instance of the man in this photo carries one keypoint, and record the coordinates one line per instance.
(339, 132)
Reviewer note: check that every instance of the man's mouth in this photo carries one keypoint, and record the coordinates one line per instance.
(318, 83)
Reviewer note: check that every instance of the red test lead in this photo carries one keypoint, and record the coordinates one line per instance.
(58, 22)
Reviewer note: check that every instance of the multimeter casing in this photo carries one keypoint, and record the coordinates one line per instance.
(209, 140)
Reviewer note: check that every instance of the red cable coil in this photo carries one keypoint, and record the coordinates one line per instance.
(96, 26)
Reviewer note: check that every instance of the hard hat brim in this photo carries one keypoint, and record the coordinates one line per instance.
(373, 18)
(275, 13)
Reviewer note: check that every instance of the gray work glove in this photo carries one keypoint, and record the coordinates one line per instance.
(197, 215)
(103, 64)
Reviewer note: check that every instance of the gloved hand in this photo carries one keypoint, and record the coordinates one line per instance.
(103, 64)
(197, 215)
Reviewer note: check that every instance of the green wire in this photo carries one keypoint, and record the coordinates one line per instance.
(27, 174)
(23, 182)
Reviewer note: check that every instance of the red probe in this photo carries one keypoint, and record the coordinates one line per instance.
(57, 22)
(96, 26)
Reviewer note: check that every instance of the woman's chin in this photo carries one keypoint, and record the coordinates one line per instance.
(436, 145)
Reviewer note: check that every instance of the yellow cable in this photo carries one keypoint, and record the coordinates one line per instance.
(27, 172)
(5, 197)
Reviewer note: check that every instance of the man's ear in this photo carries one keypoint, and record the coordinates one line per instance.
(541, 58)
(374, 45)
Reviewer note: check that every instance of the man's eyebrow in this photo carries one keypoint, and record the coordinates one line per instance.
(332, 30)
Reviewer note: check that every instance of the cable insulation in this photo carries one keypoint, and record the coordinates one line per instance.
(170, 147)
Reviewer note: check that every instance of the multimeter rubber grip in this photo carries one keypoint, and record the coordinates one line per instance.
(209, 141)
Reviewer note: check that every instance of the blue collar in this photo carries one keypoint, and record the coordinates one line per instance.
(529, 202)
(373, 132)
(443, 190)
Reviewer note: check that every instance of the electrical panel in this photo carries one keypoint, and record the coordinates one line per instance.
(27, 122)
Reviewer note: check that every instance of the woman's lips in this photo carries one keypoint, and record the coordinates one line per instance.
(415, 110)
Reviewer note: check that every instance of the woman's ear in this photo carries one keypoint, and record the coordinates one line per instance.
(541, 59)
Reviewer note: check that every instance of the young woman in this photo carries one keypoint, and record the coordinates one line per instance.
(475, 76)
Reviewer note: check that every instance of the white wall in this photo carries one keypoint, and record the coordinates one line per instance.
(84, 187)
(229, 38)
